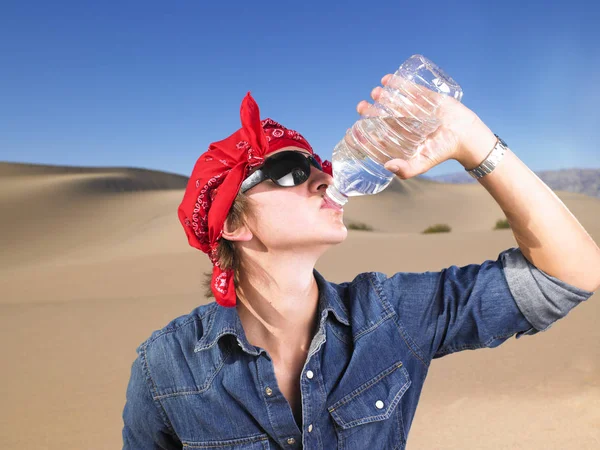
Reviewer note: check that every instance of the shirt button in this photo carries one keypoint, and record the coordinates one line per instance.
(291, 441)
(379, 404)
(310, 428)
(269, 391)
(310, 374)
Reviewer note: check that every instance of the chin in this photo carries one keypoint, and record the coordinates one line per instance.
(337, 237)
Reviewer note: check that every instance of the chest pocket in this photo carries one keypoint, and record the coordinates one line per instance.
(256, 442)
(369, 415)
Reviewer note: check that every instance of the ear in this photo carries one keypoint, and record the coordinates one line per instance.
(242, 233)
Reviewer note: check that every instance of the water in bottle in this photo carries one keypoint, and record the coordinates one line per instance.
(394, 127)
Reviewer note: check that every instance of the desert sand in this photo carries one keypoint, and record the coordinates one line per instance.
(93, 260)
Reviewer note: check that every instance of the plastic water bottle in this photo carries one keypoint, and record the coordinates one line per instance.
(394, 127)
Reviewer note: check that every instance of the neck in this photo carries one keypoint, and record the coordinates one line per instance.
(277, 300)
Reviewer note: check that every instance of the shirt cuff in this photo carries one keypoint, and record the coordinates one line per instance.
(542, 298)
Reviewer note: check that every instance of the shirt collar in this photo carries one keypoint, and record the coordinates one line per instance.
(222, 321)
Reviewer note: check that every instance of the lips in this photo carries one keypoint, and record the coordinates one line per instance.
(331, 205)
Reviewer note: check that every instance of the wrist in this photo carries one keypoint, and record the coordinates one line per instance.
(478, 146)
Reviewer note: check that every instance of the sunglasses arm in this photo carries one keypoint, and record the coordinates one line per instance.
(256, 177)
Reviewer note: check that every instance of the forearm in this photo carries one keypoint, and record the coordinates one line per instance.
(547, 233)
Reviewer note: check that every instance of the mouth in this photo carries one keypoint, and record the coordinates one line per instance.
(331, 205)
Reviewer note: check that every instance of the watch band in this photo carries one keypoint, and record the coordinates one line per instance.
(491, 161)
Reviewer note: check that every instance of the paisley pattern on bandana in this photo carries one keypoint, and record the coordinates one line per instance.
(200, 212)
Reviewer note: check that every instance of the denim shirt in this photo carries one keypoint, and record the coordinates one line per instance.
(199, 384)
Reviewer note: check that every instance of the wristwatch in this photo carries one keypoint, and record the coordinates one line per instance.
(492, 160)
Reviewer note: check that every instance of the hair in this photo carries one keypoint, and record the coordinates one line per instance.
(226, 251)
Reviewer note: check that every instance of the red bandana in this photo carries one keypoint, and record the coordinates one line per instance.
(222, 169)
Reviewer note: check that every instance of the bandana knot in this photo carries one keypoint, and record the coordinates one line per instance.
(253, 160)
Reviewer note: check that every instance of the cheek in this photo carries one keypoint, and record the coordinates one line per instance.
(286, 212)
(280, 216)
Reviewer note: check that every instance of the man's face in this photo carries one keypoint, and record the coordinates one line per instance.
(293, 217)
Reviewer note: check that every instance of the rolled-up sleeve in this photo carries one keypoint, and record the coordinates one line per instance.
(542, 298)
(478, 305)
(144, 428)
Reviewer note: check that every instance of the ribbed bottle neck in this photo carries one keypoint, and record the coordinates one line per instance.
(333, 194)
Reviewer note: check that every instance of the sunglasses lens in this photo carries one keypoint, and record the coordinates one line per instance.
(288, 169)
(294, 178)
(316, 163)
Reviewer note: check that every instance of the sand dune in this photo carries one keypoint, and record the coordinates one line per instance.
(109, 178)
(49, 211)
(93, 260)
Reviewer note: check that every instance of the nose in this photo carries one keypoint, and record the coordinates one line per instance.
(319, 180)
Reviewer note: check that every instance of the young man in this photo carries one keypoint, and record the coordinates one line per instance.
(286, 359)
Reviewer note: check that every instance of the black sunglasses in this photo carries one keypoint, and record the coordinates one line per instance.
(285, 169)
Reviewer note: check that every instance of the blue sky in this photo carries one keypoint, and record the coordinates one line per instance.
(150, 84)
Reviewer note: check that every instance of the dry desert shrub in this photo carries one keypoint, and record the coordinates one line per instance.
(437, 228)
(502, 224)
(359, 226)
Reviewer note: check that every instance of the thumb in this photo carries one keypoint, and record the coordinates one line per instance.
(408, 169)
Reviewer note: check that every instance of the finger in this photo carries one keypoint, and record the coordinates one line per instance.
(414, 90)
(407, 101)
(386, 78)
(408, 169)
(415, 100)
(429, 155)
(376, 93)
(367, 109)
(362, 107)
(416, 93)
(401, 168)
